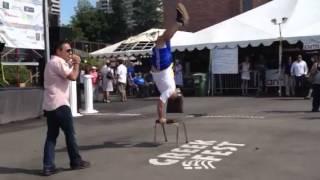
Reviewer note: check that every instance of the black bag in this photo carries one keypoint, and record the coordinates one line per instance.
(175, 105)
(109, 75)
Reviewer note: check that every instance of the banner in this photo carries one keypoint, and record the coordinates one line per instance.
(21, 23)
(225, 61)
(272, 78)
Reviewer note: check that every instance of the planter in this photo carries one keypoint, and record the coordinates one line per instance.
(22, 85)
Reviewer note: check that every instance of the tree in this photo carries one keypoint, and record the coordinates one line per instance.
(147, 14)
(89, 23)
(118, 28)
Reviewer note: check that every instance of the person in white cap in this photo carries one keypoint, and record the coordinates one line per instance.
(162, 71)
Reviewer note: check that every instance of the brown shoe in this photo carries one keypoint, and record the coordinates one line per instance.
(182, 14)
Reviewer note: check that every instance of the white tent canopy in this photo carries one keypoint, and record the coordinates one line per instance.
(254, 27)
(140, 44)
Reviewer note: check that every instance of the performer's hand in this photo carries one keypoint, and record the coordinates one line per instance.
(162, 120)
(75, 59)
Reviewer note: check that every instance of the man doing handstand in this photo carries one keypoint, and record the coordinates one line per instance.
(162, 71)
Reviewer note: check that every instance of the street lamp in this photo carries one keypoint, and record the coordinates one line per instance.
(279, 23)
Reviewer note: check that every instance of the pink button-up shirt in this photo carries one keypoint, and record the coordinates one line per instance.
(56, 84)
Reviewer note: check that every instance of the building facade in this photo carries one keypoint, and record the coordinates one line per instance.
(205, 13)
(54, 12)
(105, 6)
(128, 6)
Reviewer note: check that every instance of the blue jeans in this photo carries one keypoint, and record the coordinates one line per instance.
(56, 119)
(316, 97)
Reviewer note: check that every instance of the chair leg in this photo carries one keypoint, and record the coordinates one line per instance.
(185, 132)
(177, 135)
(164, 133)
(155, 133)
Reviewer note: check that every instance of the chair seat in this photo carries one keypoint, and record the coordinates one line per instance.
(169, 121)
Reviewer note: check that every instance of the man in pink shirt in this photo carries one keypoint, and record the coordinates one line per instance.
(62, 67)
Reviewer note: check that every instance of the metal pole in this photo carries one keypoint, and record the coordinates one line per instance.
(280, 60)
(46, 30)
(280, 63)
(210, 73)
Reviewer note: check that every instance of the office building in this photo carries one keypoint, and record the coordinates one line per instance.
(205, 13)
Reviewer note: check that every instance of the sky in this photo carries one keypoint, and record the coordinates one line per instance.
(67, 9)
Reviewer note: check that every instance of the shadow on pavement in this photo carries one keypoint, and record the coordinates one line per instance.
(36, 172)
(10, 170)
(115, 145)
(290, 99)
(311, 118)
(286, 111)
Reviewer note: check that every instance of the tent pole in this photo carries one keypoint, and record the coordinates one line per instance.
(280, 64)
(210, 73)
(280, 59)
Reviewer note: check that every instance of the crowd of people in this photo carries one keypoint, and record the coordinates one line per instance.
(117, 76)
(295, 73)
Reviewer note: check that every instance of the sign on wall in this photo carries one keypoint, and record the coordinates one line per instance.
(21, 23)
(225, 61)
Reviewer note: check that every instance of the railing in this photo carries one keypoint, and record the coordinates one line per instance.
(222, 82)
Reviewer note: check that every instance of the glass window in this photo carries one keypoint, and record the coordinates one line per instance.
(5, 5)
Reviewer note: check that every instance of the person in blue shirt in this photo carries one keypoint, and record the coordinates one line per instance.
(161, 61)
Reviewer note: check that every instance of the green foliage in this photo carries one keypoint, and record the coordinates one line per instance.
(91, 24)
(147, 14)
(118, 26)
(83, 5)
(16, 74)
(91, 61)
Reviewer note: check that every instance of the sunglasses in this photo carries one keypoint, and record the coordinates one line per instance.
(69, 50)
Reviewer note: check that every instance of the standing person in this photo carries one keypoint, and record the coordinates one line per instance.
(308, 84)
(299, 70)
(288, 80)
(245, 76)
(63, 67)
(261, 67)
(107, 81)
(315, 76)
(121, 73)
(95, 82)
(178, 74)
(161, 61)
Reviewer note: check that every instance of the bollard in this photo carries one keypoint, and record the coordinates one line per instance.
(88, 96)
(73, 99)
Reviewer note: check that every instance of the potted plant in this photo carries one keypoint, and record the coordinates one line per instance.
(24, 76)
(17, 75)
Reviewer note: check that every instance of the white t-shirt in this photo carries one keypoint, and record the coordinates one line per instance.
(299, 68)
(122, 73)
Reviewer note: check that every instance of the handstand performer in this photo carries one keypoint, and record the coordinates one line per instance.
(162, 71)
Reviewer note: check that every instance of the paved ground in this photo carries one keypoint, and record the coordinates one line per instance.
(231, 138)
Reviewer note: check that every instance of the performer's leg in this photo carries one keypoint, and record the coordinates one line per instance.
(165, 95)
(160, 110)
(182, 20)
